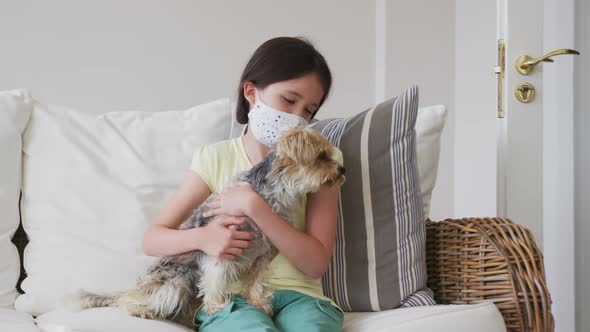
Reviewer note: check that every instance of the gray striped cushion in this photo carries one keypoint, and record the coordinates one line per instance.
(379, 256)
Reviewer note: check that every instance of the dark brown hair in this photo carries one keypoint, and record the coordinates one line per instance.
(281, 59)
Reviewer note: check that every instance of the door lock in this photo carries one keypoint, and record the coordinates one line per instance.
(525, 92)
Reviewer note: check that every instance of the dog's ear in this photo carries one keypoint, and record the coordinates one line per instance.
(298, 145)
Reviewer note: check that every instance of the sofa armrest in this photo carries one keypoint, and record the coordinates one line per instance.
(474, 260)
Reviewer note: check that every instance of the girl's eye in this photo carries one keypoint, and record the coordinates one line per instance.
(288, 100)
(308, 111)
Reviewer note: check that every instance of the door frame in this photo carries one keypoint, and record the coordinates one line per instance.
(558, 163)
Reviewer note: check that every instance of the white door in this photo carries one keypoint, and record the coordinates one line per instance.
(535, 138)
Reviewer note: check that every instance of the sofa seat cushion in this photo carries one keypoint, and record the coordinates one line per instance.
(484, 317)
(16, 321)
(102, 320)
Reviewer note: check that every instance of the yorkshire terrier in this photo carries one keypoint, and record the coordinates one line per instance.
(300, 163)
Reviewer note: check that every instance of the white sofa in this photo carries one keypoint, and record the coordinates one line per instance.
(91, 185)
(481, 317)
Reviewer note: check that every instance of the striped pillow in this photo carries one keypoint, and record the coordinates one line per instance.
(379, 255)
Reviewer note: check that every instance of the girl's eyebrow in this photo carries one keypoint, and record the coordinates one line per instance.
(293, 92)
(300, 96)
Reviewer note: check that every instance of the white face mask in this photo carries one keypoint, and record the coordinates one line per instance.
(267, 124)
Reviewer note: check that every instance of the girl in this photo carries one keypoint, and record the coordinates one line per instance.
(287, 80)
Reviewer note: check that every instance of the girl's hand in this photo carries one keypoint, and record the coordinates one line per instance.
(234, 201)
(223, 242)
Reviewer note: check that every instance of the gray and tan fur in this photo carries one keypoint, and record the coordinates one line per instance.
(171, 289)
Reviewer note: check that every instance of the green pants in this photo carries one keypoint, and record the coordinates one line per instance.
(292, 311)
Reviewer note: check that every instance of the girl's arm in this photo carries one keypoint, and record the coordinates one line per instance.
(309, 251)
(163, 238)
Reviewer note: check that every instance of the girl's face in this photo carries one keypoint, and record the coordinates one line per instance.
(300, 96)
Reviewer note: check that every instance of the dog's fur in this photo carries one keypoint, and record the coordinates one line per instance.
(299, 164)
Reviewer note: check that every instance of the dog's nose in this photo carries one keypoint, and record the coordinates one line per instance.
(341, 170)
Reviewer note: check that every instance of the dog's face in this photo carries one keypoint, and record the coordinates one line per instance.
(305, 160)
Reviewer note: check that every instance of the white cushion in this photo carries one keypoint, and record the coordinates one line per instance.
(15, 109)
(93, 184)
(429, 126)
(103, 320)
(16, 321)
(484, 317)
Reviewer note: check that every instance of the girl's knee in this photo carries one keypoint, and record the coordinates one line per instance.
(313, 315)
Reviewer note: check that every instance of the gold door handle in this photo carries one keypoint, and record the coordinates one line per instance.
(525, 64)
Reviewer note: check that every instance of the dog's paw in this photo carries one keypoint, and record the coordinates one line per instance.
(141, 312)
(214, 304)
(267, 309)
(210, 310)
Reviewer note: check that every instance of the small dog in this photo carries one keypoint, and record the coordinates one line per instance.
(299, 164)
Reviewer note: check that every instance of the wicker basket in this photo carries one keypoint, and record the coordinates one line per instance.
(475, 260)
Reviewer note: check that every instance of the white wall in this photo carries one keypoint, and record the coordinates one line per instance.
(419, 47)
(448, 47)
(150, 55)
(582, 164)
(475, 112)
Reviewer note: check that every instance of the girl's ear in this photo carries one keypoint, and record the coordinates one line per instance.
(250, 92)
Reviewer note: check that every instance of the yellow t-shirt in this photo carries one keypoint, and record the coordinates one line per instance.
(217, 163)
